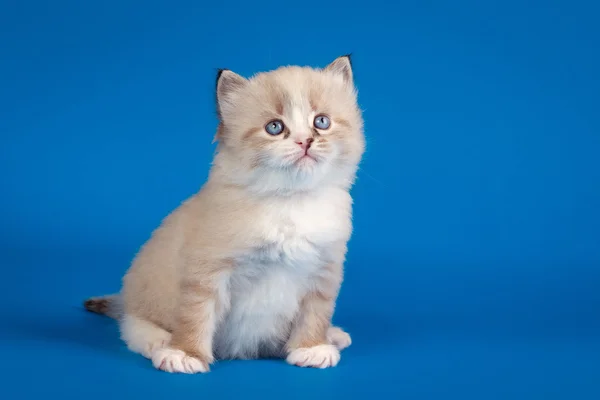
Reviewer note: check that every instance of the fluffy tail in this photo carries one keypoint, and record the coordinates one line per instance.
(110, 305)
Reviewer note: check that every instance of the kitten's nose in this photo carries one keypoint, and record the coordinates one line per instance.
(305, 144)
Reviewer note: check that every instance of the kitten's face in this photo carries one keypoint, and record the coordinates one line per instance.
(298, 124)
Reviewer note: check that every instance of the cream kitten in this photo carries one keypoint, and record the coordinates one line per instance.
(251, 265)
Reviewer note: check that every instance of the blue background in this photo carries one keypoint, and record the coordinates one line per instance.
(474, 270)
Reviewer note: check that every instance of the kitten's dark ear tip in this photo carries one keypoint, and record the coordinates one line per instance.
(349, 57)
(220, 72)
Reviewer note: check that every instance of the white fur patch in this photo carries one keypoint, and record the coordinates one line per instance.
(172, 360)
(261, 307)
(322, 356)
(142, 336)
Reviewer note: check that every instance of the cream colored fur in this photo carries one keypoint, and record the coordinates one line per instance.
(252, 264)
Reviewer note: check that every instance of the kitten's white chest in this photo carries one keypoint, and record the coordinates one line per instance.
(301, 231)
(268, 283)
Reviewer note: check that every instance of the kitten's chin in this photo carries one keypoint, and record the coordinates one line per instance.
(299, 162)
(306, 161)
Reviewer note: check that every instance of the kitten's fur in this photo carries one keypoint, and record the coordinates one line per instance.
(252, 264)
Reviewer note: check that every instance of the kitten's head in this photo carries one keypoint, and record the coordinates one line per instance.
(291, 129)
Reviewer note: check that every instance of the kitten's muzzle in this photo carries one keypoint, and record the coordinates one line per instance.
(305, 144)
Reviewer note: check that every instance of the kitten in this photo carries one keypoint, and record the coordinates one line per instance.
(251, 265)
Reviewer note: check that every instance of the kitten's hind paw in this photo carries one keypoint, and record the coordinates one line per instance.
(321, 356)
(337, 337)
(173, 360)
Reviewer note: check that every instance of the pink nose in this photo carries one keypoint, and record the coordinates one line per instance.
(305, 144)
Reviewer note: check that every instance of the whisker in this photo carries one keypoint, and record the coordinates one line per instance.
(363, 172)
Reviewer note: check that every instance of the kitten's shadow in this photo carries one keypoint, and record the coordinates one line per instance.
(377, 330)
(77, 327)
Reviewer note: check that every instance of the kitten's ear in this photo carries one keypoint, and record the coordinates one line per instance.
(342, 66)
(228, 82)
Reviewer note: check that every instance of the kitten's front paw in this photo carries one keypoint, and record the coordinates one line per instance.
(173, 360)
(321, 356)
(152, 347)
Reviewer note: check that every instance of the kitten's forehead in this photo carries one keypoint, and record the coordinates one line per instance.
(288, 78)
(294, 88)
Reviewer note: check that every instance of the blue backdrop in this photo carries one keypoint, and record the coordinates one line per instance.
(474, 270)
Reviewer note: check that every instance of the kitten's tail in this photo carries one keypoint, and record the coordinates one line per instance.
(110, 305)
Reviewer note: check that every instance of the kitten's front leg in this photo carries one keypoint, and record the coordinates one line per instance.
(308, 345)
(190, 350)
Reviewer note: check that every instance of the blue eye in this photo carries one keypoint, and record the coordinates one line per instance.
(322, 122)
(274, 127)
